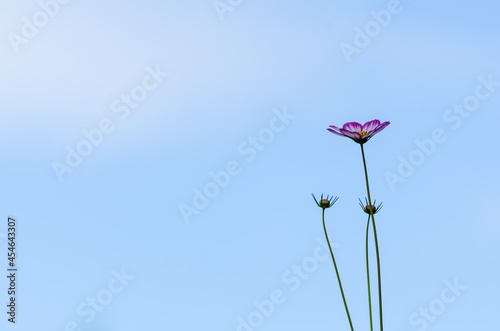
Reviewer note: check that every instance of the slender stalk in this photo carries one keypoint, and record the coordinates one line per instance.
(376, 242)
(337, 272)
(368, 275)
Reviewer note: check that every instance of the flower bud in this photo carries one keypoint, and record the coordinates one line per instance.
(370, 209)
(324, 203)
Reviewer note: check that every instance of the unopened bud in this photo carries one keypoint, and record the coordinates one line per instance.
(324, 203)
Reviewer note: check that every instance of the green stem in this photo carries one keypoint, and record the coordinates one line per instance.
(376, 242)
(368, 275)
(337, 272)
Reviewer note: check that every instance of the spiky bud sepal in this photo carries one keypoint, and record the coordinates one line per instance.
(325, 202)
(370, 209)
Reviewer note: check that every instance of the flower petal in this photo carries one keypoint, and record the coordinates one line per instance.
(378, 129)
(334, 129)
(371, 125)
(353, 135)
(352, 126)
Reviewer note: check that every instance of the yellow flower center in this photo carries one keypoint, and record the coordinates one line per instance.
(362, 133)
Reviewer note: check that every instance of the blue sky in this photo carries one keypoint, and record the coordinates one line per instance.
(118, 116)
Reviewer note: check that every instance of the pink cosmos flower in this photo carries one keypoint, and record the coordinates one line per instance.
(357, 132)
